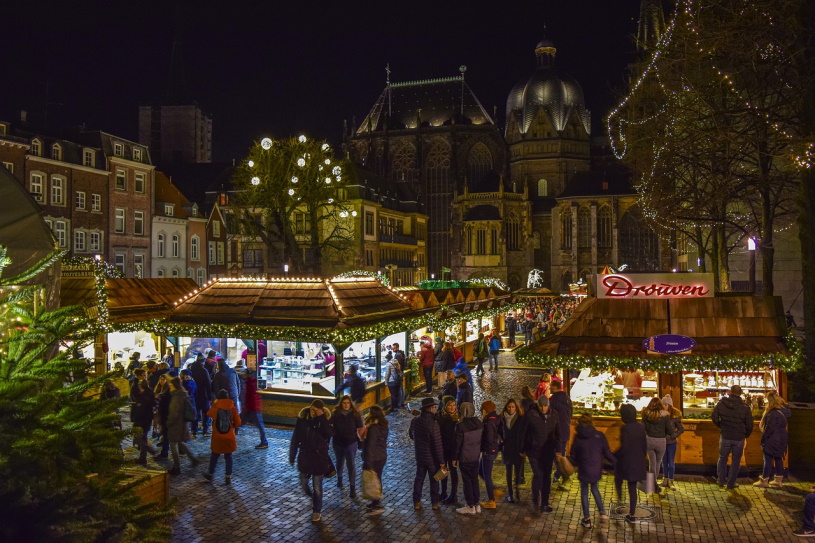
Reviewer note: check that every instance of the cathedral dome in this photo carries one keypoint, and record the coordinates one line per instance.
(559, 94)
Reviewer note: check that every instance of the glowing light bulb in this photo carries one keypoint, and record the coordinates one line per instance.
(291, 192)
(325, 147)
(266, 143)
(327, 180)
(354, 213)
(337, 170)
(301, 162)
(251, 163)
(301, 139)
(328, 161)
(294, 179)
(331, 200)
(256, 181)
(343, 214)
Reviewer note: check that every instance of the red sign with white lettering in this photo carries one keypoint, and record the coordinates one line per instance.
(643, 286)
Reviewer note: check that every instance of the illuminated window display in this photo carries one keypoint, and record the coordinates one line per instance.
(703, 389)
(609, 389)
(296, 366)
(121, 345)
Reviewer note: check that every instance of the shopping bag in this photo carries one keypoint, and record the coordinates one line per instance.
(441, 474)
(649, 485)
(371, 485)
(332, 471)
(565, 466)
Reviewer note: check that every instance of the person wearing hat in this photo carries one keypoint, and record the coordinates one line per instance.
(309, 444)
(426, 436)
(735, 421)
(669, 460)
(490, 443)
(539, 437)
(467, 456)
(447, 418)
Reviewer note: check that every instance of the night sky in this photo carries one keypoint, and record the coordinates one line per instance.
(284, 68)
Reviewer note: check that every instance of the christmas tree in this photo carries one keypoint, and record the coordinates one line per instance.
(60, 455)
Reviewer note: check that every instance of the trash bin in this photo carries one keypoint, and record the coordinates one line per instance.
(802, 440)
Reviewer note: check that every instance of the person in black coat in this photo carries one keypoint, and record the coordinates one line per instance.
(774, 440)
(309, 443)
(735, 420)
(450, 388)
(630, 457)
(447, 418)
(226, 379)
(426, 436)
(539, 437)
(490, 445)
(375, 449)
(203, 394)
(511, 417)
(346, 422)
(355, 385)
(465, 391)
(588, 450)
(142, 417)
(468, 453)
(561, 404)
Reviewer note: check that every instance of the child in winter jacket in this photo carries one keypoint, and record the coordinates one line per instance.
(225, 419)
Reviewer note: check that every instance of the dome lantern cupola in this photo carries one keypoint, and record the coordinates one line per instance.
(545, 52)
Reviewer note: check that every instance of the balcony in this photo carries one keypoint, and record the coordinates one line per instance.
(401, 239)
(482, 261)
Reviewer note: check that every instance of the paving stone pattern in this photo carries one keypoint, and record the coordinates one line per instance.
(265, 503)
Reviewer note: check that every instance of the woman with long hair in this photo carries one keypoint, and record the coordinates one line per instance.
(527, 398)
(447, 417)
(346, 421)
(774, 439)
(543, 386)
(658, 428)
(669, 460)
(511, 416)
(375, 449)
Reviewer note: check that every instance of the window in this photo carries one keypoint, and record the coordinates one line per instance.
(137, 155)
(160, 245)
(119, 262)
(88, 158)
(56, 151)
(119, 221)
(79, 241)
(138, 223)
(60, 232)
(190, 273)
(369, 257)
(566, 229)
(121, 180)
(169, 209)
(118, 149)
(481, 241)
(299, 223)
(195, 243)
(201, 276)
(479, 164)
(216, 229)
(211, 253)
(80, 200)
(494, 240)
(96, 202)
(36, 186)
(513, 233)
(221, 254)
(57, 194)
(9, 166)
(176, 249)
(604, 234)
(253, 258)
(36, 147)
(639, 245)
(543, 187)
(175, 272)
(96, 242)
(138, 184)
(138, 266)
(160, 272)
(584, 227)
(369, 224)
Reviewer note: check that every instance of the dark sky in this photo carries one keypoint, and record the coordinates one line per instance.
(283, 68)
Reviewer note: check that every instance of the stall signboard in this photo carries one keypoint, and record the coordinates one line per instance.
(660, 286)
(669, 344)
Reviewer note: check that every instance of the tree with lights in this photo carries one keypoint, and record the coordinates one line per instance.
(290, 196)
(60, 456)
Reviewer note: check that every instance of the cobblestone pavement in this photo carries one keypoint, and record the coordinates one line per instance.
(264, 502)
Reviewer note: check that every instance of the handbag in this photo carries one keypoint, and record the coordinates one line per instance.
(565, 466)
(332, 470)
(441, 474)
(371, 485)
(648, 485)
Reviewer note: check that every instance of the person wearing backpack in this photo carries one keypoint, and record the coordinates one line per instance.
(225, 419)
(179, 416)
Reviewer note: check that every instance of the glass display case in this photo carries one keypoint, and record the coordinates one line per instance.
(609, 389)
(361, 354)
(296, 366)
(701, 390)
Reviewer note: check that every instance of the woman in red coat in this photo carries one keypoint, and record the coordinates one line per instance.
(251, 409)
(225, 419)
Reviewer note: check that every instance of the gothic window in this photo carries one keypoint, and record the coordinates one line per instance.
(494, 249)
(536, 240)
(566, 281)
(513, 233)
(481, 241)
(468, 241)
(543, 187)
(584, 228)
(403, 163)
(639, 246)
(479, 164)
(604, 235)
(566, 229)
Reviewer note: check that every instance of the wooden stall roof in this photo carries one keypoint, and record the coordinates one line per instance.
(315, 303)
(476, 297)
(740, 325)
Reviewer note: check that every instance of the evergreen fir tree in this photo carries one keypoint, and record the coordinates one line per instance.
(60, 455)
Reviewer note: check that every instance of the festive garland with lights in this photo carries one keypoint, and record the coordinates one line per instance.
(356, 273)
(672, 364)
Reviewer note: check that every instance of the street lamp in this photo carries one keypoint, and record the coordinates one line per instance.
(751, 248)
(286, 269)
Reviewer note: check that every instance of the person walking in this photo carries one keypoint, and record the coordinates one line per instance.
(142, 417)
(179, 416)
(427, 360)
(510, 326)
(808, 525)
(658, 428)
(347, 421)
(529, 331)
(448, 418)
(561, 404)
(539, 438)
(375, 450)
(464, 392)
(481, 352)
(393, 378)
(309, 444)
(203, 394)
(226, 379)
(490, 445)
(735, 421)
(774, 439)
(225, 419)
(251, 413)
(588, 450)
(669, 460)
(495, 348)
(511, 415)
(163, 398)
(467, 454)
(630, 458)
(450, 388)
(426, 436)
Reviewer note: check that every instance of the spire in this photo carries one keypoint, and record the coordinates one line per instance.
(651, 24)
